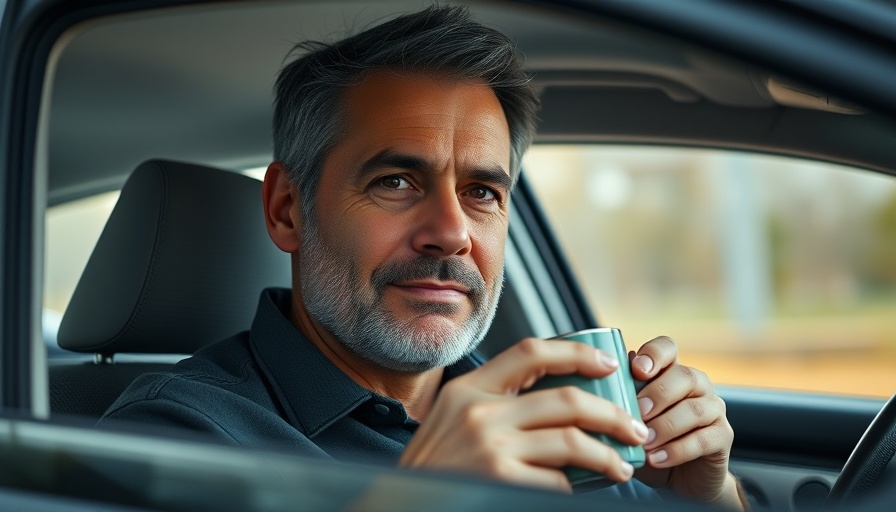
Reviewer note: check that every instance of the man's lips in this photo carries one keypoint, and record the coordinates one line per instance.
(433, 289)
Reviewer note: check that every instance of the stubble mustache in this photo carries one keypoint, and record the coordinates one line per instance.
(430, 267)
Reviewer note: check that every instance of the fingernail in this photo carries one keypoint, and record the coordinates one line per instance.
(658, 457)
(651, 435)
(644, 363)
(607, 359)
(640, 428)
(627, 469)
(645, 404)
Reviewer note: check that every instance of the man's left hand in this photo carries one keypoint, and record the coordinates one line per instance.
(690, 439)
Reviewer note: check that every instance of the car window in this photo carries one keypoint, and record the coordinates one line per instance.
(72, 229)
(767, 271)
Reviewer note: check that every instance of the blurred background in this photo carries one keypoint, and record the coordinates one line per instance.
(767, 271)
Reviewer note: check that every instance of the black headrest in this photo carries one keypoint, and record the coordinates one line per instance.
(180, 264)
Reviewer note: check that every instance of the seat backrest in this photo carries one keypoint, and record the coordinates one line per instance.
(180, 264)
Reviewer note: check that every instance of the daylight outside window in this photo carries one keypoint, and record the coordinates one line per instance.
(72, 229)
(767, 271)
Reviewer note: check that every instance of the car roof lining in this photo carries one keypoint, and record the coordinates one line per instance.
(581, 115)
(194, 84)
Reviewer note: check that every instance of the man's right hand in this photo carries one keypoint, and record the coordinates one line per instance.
(481, 424)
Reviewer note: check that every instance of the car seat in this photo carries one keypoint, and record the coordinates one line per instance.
(180, 264)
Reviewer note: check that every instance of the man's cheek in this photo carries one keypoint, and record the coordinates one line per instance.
(382, 240)
(489, 251)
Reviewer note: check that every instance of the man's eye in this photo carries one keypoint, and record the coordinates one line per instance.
(482, 194)
(394, 182)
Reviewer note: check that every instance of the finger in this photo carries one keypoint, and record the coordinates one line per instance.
(570, 406)
(700, 443)
(685, 416)
(524, 363)
(674, 385)
(653, 356)
(569, 446)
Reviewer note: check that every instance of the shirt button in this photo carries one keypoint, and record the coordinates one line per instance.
(382, 409)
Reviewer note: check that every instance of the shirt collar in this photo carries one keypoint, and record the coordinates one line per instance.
(312, 391)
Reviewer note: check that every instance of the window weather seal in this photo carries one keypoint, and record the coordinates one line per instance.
(555, 263)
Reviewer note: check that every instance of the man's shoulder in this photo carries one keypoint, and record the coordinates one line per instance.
(218, 369)
(214, 391)
(223, 366)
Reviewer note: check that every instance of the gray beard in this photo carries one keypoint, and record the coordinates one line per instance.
(333, 293)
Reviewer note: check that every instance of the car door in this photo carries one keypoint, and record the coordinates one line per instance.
(20, 362)
(784, 456)
(647, 285)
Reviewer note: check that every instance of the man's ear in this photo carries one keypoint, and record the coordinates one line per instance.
(282, 212)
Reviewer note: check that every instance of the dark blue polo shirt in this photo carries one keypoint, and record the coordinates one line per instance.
(271, 387)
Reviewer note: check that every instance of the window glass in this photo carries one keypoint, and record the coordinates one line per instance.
(72, 229)
(766, 271)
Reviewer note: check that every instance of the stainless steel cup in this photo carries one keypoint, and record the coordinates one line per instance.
(618, 387)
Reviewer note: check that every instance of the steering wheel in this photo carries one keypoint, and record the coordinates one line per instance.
(868, 459)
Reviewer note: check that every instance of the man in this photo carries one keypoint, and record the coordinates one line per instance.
(396, 152)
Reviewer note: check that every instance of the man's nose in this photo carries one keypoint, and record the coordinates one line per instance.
(443, 227)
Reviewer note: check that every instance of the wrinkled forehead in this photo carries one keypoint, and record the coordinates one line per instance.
(437, 114)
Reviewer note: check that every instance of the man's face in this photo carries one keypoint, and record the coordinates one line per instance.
(403, 262)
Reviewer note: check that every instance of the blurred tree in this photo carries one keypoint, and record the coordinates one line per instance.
(882, 257)
(777, 244)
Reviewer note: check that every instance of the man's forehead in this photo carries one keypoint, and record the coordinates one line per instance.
(415, 109)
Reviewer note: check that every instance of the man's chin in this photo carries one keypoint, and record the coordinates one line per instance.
(421, 360)
(434, 328)
(430, 341)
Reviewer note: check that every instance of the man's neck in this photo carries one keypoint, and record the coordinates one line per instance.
(416, 391)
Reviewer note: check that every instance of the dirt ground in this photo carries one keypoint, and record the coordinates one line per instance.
(868, 373)
(853, 354)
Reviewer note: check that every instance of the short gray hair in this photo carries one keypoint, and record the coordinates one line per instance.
(308, 110)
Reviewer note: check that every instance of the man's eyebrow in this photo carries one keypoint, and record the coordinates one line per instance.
(495, 176)
(390, 159)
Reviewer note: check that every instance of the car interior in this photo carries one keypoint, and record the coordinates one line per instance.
(171, 105)
(163, 252)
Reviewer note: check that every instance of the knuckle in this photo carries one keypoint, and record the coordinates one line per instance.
(572, 439)
(622, 423)
(663, 390)
(729, 431)
(610, 461)
(691, 375)
(582, 350)
(681, 451)
(560, 481)
(705, 442)
(697, 408)
(665, 344)
(621, 414)
(570, 396)
(496, 466)
(530, 347)
(668, 424)
(701, 379)
(665, 340)
(723, 407)
(474, 416)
